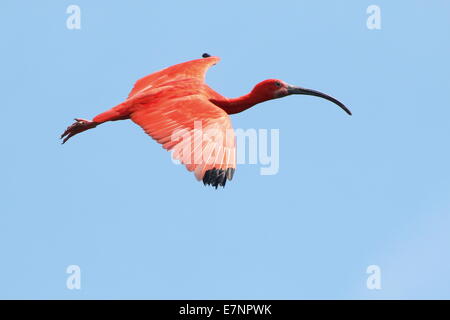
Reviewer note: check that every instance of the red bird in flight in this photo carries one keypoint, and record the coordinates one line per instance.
(176, 108)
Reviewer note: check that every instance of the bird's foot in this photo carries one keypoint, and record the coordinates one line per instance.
(80, 125)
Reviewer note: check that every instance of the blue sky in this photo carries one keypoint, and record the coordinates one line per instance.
(351, 191)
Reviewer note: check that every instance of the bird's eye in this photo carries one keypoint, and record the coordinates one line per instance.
(278, 84)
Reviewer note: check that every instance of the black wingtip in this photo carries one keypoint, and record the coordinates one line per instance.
(206, 55)
(218, 177)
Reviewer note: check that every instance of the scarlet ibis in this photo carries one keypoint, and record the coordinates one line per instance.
(176, 99)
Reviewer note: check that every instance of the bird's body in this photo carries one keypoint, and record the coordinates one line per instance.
(177, 109)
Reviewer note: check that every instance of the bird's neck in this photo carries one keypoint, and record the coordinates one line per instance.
(239, 104)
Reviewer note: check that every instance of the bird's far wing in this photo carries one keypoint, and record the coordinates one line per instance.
(195, 69)
(199, 134)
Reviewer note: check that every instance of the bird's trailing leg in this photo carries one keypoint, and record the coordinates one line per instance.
(119, 112)
(80, 125)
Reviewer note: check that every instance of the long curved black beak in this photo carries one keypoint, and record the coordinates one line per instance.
(310, 92)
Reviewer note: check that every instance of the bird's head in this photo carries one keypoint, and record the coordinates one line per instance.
(274, 88)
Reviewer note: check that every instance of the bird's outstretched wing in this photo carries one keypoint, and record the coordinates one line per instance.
(198, 132)
(194, 69)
